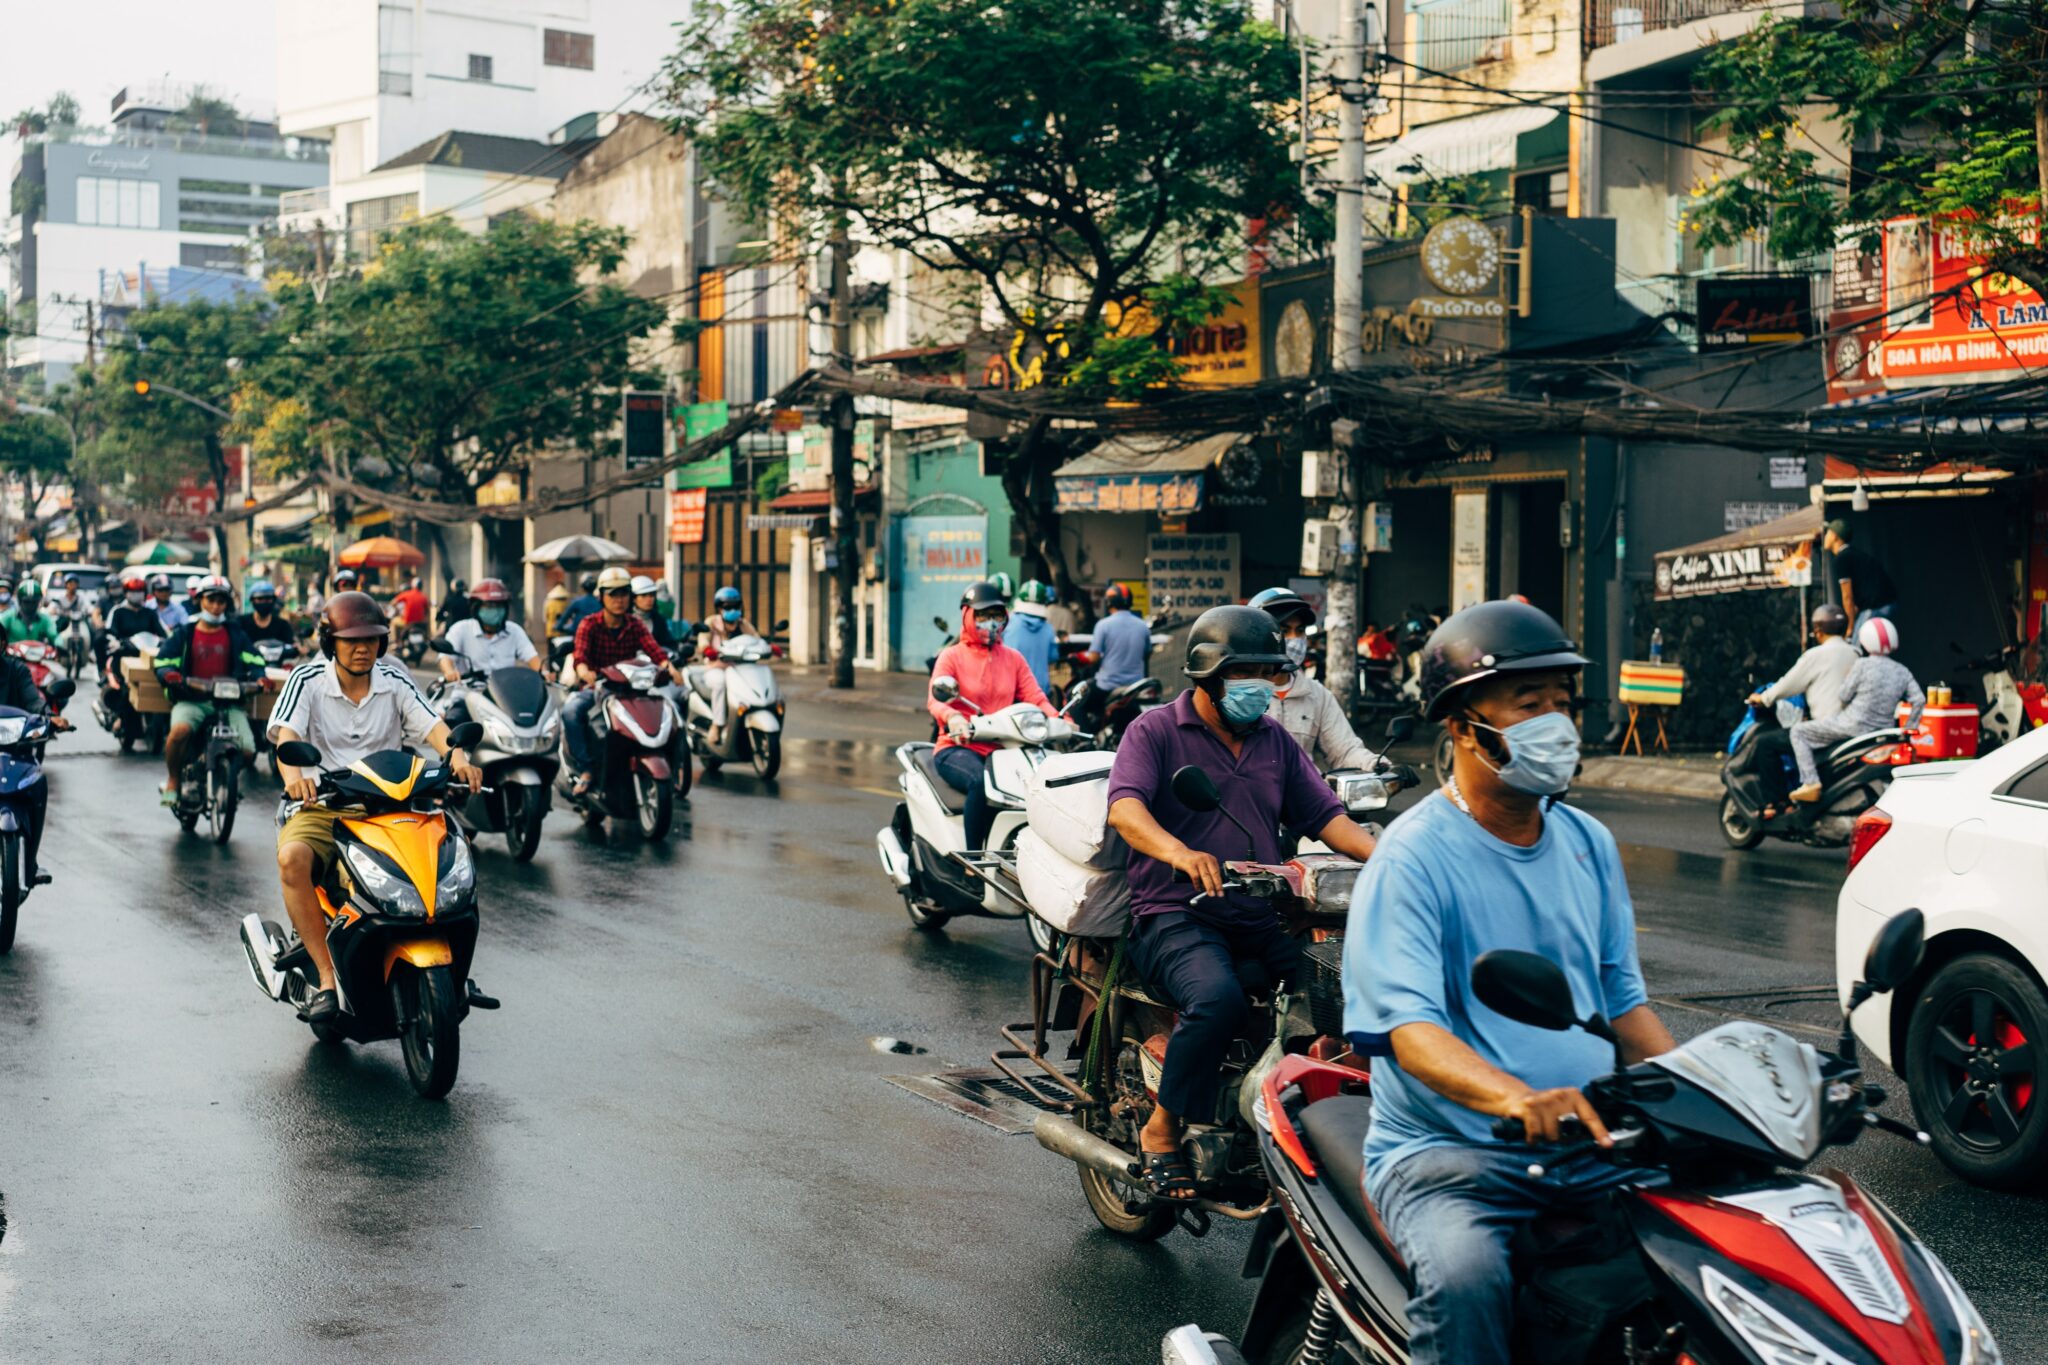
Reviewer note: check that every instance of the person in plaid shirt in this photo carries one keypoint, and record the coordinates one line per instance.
(612, 636)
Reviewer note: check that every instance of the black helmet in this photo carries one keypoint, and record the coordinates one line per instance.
(1223, 636)
(982, 596)
(1283, 605)
(1830, 619)
(589, 582)
(1490, 638)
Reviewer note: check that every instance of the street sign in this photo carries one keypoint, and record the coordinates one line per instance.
(644, 436)
(686, 513)
(701, 420)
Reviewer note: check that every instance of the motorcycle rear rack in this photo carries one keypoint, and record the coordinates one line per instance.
(1047, 977)
(998, 869)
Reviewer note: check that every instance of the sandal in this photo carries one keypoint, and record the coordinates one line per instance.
(1169, 1176)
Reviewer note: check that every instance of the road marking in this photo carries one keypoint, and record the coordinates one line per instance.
(879, 791)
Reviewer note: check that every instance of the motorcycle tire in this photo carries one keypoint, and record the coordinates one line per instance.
(1738, 826)
(428, 999)
(222, 799)
(925, 920)
(712, 763)
(1442, 759)
(1107, 1199)
(1995, 1134)
(1044, 938)
(523, 819)
(10, 889)
(686, 773)
(767, 753)
(653, 806)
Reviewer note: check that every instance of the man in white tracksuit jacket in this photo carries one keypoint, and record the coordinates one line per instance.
(1818, 675)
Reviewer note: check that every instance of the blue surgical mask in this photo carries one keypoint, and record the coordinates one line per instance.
(1245, 700)
(134, 598)
(731, 615)
(490, 617)
(213, 618)
(1543, 753)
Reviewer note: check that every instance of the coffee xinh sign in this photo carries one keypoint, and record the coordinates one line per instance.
(1753, 310)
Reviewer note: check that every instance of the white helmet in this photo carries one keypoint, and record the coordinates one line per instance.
(1877, 636)
(642, 585)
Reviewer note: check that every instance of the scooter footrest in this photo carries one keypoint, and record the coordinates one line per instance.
(479, 1001)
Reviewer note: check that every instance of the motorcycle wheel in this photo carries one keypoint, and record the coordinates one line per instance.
(767, 751)
(653, 805)
(1738, 826)
(1986, 1121)
(1442, 760)
(222, 799)
(686, 773)
(10, 888)
(426, 998)
(1106, 1200)
(921, 917)
(523, 819)
(1044, 937)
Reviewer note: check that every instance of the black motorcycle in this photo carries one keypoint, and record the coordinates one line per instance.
(1759, 772)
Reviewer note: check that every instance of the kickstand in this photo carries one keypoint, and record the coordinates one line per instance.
(1195, 1220)
(478, 1000)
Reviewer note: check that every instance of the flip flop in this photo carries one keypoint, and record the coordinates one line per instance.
(1168, 1174)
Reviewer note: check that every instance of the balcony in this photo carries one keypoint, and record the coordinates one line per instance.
(1611, 22)
(270, 148)
(302, 201)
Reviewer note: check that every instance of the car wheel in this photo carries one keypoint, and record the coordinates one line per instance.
(1972, 1064)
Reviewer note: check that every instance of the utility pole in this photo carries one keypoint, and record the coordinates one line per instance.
(1340, 614)
(845, 541)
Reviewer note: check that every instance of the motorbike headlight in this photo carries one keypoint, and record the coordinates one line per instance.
(1775, 1338)
(391, 889)
(1034, 727)
(458, 875)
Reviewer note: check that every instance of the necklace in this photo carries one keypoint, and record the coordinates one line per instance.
(1457, 797)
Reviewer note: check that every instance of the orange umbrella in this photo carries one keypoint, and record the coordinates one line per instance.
(382, 552)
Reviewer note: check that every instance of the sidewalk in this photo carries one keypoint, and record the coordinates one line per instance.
(1697, 775)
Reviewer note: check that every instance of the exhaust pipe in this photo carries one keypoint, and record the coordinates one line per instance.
(1069, 1139)
(895, 857)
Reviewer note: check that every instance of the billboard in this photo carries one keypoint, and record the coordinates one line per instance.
(1949, 319)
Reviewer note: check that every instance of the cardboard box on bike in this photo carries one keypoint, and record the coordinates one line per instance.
(149, 697)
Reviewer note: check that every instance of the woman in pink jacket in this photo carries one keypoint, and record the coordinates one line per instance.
(991, 675)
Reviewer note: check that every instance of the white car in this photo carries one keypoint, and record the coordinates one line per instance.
(1967, 844)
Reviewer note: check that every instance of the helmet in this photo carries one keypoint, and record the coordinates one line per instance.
(613, 578)
(725, 597)
(354, 616)
(1116, 595)
(1830, 619)
(1283, 605)
(29, 588)
(1490, 638)
(589, 582)
(344, 579)
(458, 587)
(1003, 585)
(135, 582)
(1037, 593)
(1877, 636)
(982, 596)
(71, 580)
(262, 587)
(211, 584)
(490, 590)
(1223, 636)
(643, 586)
(159, 582)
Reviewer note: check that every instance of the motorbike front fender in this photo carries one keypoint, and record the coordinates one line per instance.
(419, 952)
(767, 722)
(10, 820)
(654, 765)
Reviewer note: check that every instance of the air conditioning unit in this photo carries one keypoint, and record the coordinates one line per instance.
(1321, 474)
(1319, 547)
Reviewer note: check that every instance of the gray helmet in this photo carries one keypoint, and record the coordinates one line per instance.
(1830, 619)
(1223, 636)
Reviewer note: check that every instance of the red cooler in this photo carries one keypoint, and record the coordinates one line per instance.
(1945, 731)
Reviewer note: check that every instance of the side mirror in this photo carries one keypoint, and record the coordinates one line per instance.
(940, 622)
(1195, 789)
(465, 735)
(298, 754)
(441, 645)
(1896, 952)
(1399, 729)
(1525, 988)
(780, 626)
(62, 690)
(945, 688)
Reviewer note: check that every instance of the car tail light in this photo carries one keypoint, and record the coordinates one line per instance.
(1871, 826)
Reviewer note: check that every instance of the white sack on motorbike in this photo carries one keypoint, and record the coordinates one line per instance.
(1066, 799)
(1090, 902)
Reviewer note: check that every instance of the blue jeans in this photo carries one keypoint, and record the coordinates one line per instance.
(576, 726)
(962, 768)
(1452, 1212)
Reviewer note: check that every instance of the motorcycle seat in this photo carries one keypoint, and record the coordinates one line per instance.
(1335, 1132)
(1129, 690)
(953, 801)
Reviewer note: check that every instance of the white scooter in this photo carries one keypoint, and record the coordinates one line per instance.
(753, 708)
(922, 844)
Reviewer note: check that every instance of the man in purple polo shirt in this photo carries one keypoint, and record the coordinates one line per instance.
(1197, 947)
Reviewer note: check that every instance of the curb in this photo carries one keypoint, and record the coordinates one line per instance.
(1664, 777)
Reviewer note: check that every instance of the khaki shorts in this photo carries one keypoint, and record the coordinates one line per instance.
(313, 827)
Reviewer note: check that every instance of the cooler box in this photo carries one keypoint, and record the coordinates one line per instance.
(144, 690)
(1945, 731)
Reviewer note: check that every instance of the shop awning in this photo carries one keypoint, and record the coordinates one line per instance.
(297, 531)
(812, 500)
(1459, 146)
(1140, 474)
(1953, 479)
(1776, 554)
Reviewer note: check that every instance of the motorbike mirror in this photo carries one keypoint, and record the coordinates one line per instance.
(1195, 789)
(780, 626)
(441, 645)
(465, 735)
(64, 689)
(1399, 729)
(298, 754)
(1896, 951)
(1524, 987)
(945, 688)
(940, 622)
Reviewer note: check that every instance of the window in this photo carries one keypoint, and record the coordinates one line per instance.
(2031, 785)
(216, 187)
(228, 208)
(371, 220)
(213, 229)
(1544, 191)
(106, 202)
(395, 50)
(479, 67)
(1455, 34)
(562, 48)
(208, 256)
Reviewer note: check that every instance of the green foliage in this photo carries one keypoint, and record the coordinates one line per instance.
(145, 445)
(60, 112)
(1459, 196)
(209, 111)
(37, 447)
(773, 478)
(26, 197)
(1126, 362)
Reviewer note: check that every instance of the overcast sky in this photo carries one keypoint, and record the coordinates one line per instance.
(95, 47)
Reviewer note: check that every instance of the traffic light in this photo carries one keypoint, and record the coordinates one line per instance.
(142, 388)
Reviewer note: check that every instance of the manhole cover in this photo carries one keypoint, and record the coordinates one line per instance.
(1796, 1009)
(981, 1093)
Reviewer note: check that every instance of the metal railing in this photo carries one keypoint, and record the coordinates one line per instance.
(302, 201)
(275, 149)
(1617, 21)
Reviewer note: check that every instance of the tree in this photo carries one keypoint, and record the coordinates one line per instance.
(1945, 105)
(34, 449)
(60, 112)
(1070, 155)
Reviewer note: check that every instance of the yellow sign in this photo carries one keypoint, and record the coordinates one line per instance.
(1221, 352)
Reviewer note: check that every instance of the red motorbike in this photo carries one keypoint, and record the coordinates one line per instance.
(633, 746)
(1728, 1250)
(45, 665)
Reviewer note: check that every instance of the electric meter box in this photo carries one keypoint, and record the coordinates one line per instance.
(1321, 475)
(1319, 547)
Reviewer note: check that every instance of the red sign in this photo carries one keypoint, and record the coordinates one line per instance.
(198, 497)
(1951, 321)
(686, 510)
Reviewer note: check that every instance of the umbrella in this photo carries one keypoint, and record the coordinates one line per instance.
(382, 552)
(160, 552)
(581, 550)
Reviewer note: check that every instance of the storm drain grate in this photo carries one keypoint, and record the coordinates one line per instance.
(1796, 1009)
(981, 1093)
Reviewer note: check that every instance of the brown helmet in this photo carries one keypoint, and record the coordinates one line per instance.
(490, 590)
(354, 616)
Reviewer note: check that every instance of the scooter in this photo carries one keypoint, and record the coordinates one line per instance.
(75, 645)
(22, 737)
(1106, 715)
(113, 709)
(211, 785)
(412, 645)
(633, 738)
(45, 663)
(522, 728)
(1728, 1250)
(400, 903)
(2011, 707)
(753, 707)
(921, 845)
(1853, 775)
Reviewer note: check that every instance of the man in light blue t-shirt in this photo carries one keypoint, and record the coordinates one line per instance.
(1490, 861)
(1122, 639)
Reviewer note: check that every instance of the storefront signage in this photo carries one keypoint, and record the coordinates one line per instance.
(1468, 549)
(114, 161)
(700, 420)
(1221, 352)
(1166, 493)
(1192, 573)
(1953, 321)
(686, 512)
(1859, 274)
(643, 436)
(1685, 573)
(1788, 471)
(1753, 310)
(1740, 516)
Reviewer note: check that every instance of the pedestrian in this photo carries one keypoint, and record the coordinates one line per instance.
(1870, 701)
(1866, 589)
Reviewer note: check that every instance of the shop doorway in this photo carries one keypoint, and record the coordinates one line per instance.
(1526, 552)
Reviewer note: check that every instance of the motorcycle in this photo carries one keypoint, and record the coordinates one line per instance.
(1727, 1251)
(412, 644)
(1104, 716)
(633, 734)
(522, 727)
(400, 902)
(211, 785)
(753, 707)
(22, 737)
(45, 664)
(1120, 1032)
(2011, 707)
(1853, 775)
(115, 711)
(922, 844)
(75, 644)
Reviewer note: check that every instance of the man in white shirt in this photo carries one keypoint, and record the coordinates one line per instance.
(1819, 674)
(347, 705)
(487, 640)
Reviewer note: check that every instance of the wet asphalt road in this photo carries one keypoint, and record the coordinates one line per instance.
(674, 1141)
